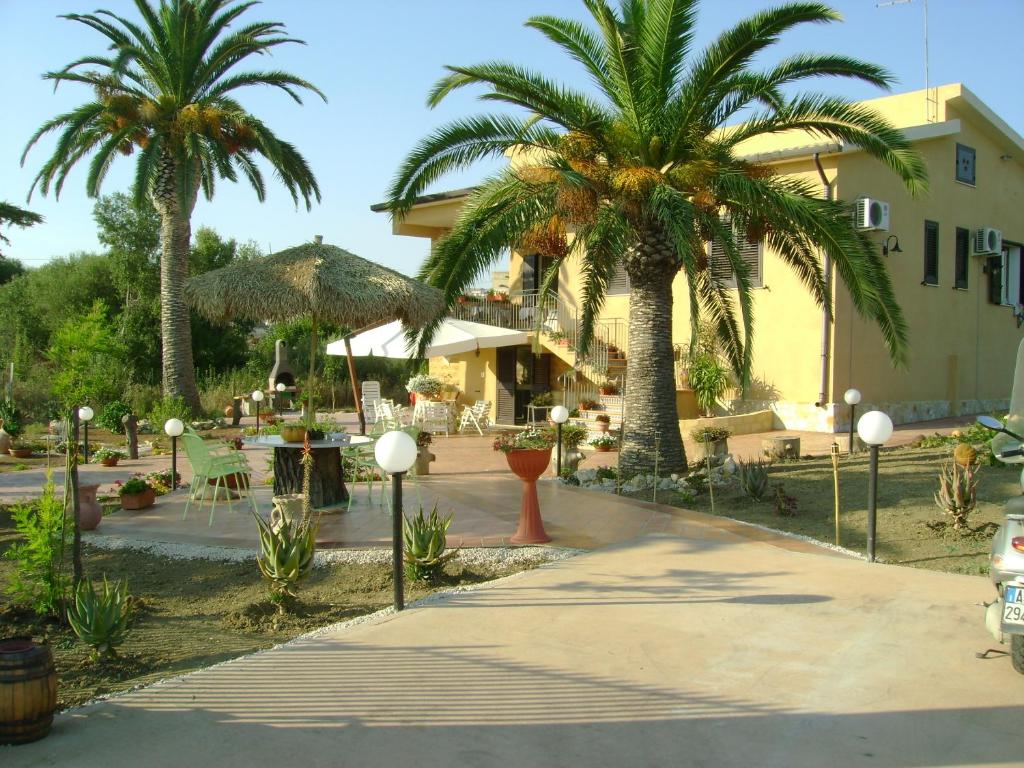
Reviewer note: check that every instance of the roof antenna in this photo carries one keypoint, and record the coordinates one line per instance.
(931, 103)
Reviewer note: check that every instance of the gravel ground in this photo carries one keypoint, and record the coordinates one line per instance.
(496, 556)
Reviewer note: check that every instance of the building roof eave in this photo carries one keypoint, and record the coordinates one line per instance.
(436, 197)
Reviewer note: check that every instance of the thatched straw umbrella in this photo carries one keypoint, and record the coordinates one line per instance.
(319, 281)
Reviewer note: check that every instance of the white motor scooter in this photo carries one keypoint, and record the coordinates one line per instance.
(1004, 618)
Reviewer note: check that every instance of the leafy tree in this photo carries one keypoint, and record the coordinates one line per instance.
(646, 170)
(166, 93)
(86, 357)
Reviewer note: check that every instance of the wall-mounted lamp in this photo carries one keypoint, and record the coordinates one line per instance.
(895, 249)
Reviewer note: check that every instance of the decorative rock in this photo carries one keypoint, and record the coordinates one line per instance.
(729, 466)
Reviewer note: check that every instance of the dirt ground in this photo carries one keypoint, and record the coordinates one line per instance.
(908, 479)
(193, 613)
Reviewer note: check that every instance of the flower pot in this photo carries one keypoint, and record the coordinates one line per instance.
(237, 442)
(714, 448)
(528, 466)
(603, 448)
(231, 481)
(89, 510)
(602, 426)
(138, 500)
(293, 434)
(112, 462)
(423, 459)
(28, 690)
(20, 453)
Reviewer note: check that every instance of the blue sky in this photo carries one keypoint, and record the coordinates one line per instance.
(376, 61)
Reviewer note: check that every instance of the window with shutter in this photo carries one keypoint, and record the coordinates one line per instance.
(994, 270)
(931, 253)
(619, 285)
(963, 253)
(721, 267)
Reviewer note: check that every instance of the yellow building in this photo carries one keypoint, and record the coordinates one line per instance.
(954, 256)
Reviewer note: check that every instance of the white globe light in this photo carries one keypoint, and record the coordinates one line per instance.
(85, 413)
(874, 427)
(395, 451)
(281, 386)
(174, 427)
(559, 414)
(257, 396)
(852, 396)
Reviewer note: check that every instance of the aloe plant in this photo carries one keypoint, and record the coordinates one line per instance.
(286, 556)
(425, 553)
(753, 476)
(101, 619)
(958, 492)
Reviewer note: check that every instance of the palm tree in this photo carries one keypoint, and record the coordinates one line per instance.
(644, 168)
(166, 94)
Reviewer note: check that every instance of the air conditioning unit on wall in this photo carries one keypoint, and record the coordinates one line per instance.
(988, 241)
(871, 214)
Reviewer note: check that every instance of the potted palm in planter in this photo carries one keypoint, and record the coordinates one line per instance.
(528, 453)
(109, 457)
(136, 493)
(711, 441)
(604, 443)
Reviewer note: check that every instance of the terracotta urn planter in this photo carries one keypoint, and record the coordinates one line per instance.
(528, 466)
(423, 459)
(602, 426)
(89, 510)
(138, 500)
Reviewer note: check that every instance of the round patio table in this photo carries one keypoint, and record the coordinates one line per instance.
(327, 482)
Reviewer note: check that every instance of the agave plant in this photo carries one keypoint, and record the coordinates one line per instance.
(286, 556)
(101, 618)
(753, 476)
(958, 492)
(425, 553)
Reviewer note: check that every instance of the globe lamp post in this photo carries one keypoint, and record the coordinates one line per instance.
(85, 414)
(874, 428)
(173, 428)
(395, 453)
(852, 398)
(559, 415)
(257, 397)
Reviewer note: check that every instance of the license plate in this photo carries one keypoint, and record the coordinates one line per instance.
(1013, 606)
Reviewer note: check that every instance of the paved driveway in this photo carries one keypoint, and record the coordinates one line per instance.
(663, 651)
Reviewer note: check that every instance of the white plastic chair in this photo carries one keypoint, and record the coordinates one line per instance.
(477, 415)
(369, 394)
(433, 417)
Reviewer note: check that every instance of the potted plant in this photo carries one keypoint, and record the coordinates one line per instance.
(602, 421)
(20, 449)
(608, 388)
(586, 404)
(559, 338)
(293, 433)
(426, 386)
(604, 443)
(711, 441)
(423, 454)
(528, 453)
(136, 493)
(109, 457)
(709, 379)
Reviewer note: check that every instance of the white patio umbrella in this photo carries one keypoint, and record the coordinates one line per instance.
(453, 337)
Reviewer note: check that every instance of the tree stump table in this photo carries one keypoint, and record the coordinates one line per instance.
(785, 447)
(327, 482)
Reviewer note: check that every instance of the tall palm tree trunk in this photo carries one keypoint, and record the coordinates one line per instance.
(650, 396)
(179, 377)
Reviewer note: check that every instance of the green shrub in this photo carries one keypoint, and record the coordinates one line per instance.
(709, 434)
(39, 578)
(709, 380)
(101, 619)
(425, 553)
(110, 416)
(169, 408)
(11, 417)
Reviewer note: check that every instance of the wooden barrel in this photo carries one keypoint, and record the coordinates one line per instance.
(28, 690)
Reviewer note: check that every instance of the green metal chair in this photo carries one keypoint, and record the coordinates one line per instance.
(214, 465)
(363, 462)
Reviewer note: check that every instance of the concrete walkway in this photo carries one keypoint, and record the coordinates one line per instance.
(697, 650)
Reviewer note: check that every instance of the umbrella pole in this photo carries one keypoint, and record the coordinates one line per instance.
(355, 385)
(311, 409)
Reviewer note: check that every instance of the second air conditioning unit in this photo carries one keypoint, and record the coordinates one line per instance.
(988, 241)
(871, 214)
